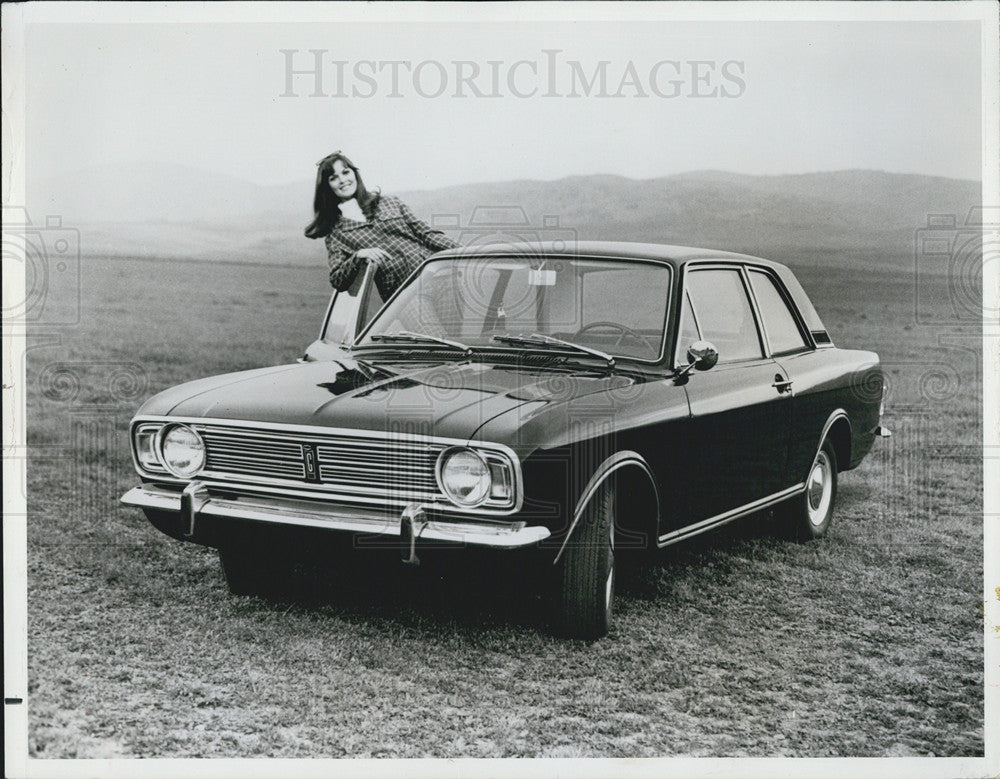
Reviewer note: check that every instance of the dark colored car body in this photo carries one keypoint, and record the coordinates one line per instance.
(584, 456)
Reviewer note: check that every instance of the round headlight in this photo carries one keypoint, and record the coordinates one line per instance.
(465, 477)
(183, 451)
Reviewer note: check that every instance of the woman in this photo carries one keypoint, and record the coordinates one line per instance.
(361, 226)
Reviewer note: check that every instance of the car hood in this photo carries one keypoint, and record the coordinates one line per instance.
(446, 399)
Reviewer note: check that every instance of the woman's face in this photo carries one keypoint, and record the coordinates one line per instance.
(342, 180)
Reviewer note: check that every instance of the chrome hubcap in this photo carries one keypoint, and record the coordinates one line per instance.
(819, 489)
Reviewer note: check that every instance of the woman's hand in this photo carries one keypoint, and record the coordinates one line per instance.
(373, 255)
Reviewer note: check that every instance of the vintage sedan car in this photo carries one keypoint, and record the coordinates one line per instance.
(566, 403)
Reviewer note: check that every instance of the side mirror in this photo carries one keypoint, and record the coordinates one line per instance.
(702, 355)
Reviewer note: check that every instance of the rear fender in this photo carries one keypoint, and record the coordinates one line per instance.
(837, 431)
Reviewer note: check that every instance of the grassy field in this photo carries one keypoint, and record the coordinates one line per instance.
(869, 643)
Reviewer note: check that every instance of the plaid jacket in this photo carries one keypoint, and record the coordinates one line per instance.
(393, 227)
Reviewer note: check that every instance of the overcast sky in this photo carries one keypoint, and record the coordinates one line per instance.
(751, 97)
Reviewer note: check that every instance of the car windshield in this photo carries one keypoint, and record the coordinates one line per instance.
(617, 307)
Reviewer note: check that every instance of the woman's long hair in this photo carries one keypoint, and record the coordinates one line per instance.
(326, 205)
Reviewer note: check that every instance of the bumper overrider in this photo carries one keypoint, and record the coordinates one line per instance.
(198, 502)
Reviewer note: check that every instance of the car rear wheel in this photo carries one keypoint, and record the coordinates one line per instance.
(808, 515)
(586, 575)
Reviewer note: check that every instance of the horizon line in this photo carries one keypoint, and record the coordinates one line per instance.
(690, 172)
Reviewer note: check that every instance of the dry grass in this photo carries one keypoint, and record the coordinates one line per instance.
(868, 643)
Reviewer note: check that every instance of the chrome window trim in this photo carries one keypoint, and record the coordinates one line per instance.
(793, 309)
(569, 255)
(740, 268)
(755, 308)
(326, 318)
(362, 495)
(366, 284)
(353, 322)
(685, 295)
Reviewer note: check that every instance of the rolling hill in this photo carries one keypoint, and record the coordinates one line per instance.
(174, 212)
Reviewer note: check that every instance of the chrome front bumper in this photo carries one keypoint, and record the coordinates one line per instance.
(412, 524)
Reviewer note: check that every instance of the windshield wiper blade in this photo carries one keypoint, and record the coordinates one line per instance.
(539, 339)
(371, 369)
(422, 338)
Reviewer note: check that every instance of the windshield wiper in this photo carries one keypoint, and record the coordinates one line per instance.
(539, 339)
(371, 369)
(422, 338)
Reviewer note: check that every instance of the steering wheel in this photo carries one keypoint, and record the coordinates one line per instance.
(623, 329)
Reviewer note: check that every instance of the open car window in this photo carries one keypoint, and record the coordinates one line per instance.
(352, 308)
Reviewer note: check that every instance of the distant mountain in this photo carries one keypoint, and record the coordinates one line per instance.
(151, 192)
(171, 211)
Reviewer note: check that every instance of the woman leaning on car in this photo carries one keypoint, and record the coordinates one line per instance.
(361, 226)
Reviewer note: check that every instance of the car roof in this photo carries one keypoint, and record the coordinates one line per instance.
(626, 250)
(676, 256)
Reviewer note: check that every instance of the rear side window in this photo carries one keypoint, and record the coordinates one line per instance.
(723, 311)
(783, 334)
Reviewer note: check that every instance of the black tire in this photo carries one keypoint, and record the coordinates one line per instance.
(808, 515)
(586, 577)
(247, 572)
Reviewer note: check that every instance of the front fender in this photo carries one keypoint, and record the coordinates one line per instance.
(559, 483)
(648, 508)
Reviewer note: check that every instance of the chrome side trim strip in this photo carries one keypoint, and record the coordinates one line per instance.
(728, 516)
(605, 469)
(500, 535)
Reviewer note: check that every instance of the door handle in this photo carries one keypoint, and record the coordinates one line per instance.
(781, 383)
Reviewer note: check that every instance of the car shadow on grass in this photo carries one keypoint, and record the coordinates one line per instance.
(453, 590)
(472, 591)
(714, 555)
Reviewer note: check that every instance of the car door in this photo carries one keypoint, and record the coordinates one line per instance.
(350, 310)
(739, 426)
(808, 369)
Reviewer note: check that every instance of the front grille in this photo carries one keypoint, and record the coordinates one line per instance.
(344, 463)
(368, 465)
(234, 452)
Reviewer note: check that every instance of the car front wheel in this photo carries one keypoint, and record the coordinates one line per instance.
(808, 515)
(586, 575)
